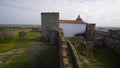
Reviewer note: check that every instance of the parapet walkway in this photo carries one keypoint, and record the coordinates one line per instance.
(66, 49)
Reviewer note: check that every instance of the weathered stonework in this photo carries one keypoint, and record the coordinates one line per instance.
(89, 34)
(110, 39)
(50, 20)
(99, 37)
(89, 46)
(77, 40)
(50, 24)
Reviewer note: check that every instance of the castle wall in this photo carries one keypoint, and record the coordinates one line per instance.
(90, 30)
(110, 39)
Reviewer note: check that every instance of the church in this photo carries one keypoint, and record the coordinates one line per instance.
(50, 21)
(72, 27)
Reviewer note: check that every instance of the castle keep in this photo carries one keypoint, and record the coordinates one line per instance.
(50, 25)
(50, 20)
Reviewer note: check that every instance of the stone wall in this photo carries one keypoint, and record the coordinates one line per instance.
(54, 37)
(110, 39)
(76, 40)
(99, 37)
(89, 46)
(89, 34)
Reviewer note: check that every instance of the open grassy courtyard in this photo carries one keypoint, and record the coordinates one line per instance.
(28, 53)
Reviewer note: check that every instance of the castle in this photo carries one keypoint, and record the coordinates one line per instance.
(51, 24)
(79, 31)
(55, 31)
(50, 21)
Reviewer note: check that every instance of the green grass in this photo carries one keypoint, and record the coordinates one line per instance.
(22, 60)
(80, 48)
(81, 59)
(85, 65)
(18, 43)
(43, 55)
(21, 43)
(33, 34)
(105, 58)
(102, 57)
(6, 47)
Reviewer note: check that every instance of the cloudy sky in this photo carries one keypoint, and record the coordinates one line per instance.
(101, 12)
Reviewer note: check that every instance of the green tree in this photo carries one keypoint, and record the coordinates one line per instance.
(6, 37)
(1, 28)
(1, 38)
(22, 34)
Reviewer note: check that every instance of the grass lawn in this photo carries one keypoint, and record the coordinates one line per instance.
(105, 57)
(21, 43)
(80, 48)
(22, 60)
(18, 43)
(44, 56)
(6, 47)
(33, 34)
(35, 55)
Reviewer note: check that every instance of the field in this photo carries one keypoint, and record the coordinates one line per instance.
(28, 53)
(6, 47)
(105, 58)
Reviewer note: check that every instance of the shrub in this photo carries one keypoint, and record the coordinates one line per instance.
(79, 34)
(81, 48)
(6, 37)
(22, 34)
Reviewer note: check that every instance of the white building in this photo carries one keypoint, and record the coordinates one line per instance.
(72, 27)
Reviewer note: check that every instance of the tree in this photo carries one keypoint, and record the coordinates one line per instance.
(22, 34)
(6, 37)
(1, 38)
(1, 28)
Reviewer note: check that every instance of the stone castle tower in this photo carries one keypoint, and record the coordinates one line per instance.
(50, 22)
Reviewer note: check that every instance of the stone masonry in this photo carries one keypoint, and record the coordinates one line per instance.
(50, 24)
(89, 34)
(110, 39)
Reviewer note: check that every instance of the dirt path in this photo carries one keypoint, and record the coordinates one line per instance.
(6, 57)
(85, 60)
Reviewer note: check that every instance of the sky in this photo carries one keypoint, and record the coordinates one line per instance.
(100, 12)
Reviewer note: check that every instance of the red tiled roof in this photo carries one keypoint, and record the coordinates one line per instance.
(72, 21)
